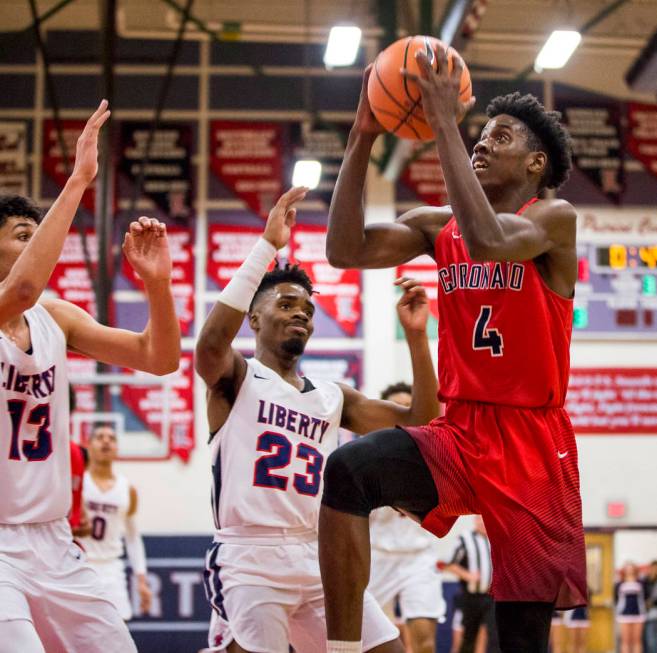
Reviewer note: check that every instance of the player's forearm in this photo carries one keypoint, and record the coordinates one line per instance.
(473, 212)
(460, 572)
(215, 341)
(30, 274)
(424, 405)
(345, 239)
(162, 333)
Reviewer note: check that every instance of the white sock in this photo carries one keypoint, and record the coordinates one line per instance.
(334, 646)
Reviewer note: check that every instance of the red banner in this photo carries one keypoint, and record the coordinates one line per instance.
(423, 268)
(424, 176)
(228, 246)
(613, 400)
(182, 277)
(247, 158)
(642, 134)
(150, 404)
(70, 279)
(338, 291)
(53, 159)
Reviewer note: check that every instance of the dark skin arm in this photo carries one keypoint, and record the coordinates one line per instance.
(351, 244)
(546, 231)
(362, 415)
(221, 367)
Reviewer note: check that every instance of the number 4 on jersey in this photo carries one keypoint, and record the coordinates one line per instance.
(485, 338)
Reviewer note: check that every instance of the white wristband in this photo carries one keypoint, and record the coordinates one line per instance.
(240, 290)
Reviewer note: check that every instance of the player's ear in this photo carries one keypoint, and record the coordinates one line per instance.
(254, 320)
(537, 163)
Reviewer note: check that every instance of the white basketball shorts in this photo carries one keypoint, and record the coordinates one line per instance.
(413, 578)
(45, 580)
(114, 584)
(267, 597)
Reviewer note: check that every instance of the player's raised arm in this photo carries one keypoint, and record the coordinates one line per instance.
(216, 361)
(28, 277)
(361, 414)
(495, 233)
(349, 243)
(157, 348)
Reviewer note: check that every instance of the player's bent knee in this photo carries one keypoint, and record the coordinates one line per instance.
(348, 483)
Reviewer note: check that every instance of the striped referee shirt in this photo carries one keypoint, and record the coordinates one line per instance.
(473, 553)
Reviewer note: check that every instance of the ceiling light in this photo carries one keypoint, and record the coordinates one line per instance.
(342, 46)
(307, 173)
(557, 49)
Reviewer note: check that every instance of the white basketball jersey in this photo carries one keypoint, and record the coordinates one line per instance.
(392, 532)
(35, 456)
(106, 512)
(269, 456)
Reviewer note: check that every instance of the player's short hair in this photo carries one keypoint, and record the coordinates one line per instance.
(286, 274)
(545, 133)
(96, 426)
(16, 205)
(394, 388)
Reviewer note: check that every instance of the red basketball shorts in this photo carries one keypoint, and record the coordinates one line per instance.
(516, 467)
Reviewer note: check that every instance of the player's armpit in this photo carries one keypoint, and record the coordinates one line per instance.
(545, 226)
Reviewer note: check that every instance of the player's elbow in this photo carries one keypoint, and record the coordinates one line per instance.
(22, 295)
(338, 258)
(480, 250)
(165, 366)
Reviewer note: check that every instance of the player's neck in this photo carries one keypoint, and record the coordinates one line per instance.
(286, 365)
(509, 200)
(101, 470)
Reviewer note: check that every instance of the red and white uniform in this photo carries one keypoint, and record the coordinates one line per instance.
(262, 573)
(43, 577)
(506, 448)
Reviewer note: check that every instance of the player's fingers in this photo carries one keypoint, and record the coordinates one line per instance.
(136, 228)
(161, 229)
(127, 241)
(103, 119)
(291, 217)
(423, 64)
(102, 108)
(457, 66)
(441, 59)
(470, 104)
(399, 280)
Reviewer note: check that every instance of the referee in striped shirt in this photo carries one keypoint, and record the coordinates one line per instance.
(471, 563)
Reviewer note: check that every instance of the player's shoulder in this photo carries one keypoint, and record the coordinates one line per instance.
(553, 209)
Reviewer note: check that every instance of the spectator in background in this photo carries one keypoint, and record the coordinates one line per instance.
(403, 564)
(629, 597)
(472, 564)
(457, 629)
(650, 631)
(578, 624)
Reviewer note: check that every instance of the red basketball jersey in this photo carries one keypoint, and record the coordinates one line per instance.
(77, 474)
(503, 335)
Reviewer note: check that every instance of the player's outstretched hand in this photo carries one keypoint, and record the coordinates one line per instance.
(147, 249)
(365, 120)
(86, 151)
(413, 305)
(283, 216)
(440, 88)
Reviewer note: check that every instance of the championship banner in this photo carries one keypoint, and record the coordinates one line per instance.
(13, 158)
(642, 134)
(167, 176)
(338, 291)
(595, 130)
(424, 175)
(70, 278)
(613, 400)
(173, 410)
(53, 158)
(323, 144)
(182, 275)
(247, 158)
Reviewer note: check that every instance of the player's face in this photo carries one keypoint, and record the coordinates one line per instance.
(283, 318)
(103, 446)
(501, 157)
(15, 234)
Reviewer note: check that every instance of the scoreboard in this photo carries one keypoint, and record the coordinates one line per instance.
(616, 291)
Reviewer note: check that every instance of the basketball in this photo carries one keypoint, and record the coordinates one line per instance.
(395, 100)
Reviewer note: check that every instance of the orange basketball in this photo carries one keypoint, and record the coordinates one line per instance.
(394, 99)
